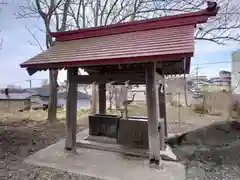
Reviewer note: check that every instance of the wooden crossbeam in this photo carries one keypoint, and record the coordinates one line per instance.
(118, 78)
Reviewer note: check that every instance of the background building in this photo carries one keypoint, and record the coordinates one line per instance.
(235, 72)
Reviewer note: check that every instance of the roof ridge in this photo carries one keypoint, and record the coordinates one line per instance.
(140, 25)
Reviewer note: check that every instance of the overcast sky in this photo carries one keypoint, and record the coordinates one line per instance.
(16, 49)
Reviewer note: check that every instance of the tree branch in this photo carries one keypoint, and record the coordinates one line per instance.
(110, 11)
(65, 11)
(209, 39)
(225, 25)
(35, 38)
(102, 12)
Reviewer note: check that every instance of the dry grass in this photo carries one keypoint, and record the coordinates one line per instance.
(199, 108)
(184, 121)
(173, 114)
(22, 134)
(61, 113)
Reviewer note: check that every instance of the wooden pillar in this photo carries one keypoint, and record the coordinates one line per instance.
(153, 134)
(94, 99)
(162, 106)
(102, 98)
(71, 110)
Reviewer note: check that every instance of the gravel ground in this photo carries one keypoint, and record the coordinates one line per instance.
(212, 152)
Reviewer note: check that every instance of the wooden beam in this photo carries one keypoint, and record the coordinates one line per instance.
(162, 115)
(162, 136)
(162, 105)
(102, 98)
(153, 133)
(130, 82)
(94, 99)
(104, 78)
(71, 110)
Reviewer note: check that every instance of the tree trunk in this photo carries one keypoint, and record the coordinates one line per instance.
(52, 104)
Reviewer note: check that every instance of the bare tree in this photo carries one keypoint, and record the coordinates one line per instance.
(225, 26)
(36, 41)
(220, 29)
(47, 11)
(51, 12)
(62, 15)
(1, 40)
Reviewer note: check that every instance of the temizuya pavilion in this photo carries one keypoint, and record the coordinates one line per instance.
(134, 51)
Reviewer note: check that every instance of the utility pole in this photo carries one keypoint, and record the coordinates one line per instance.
(185, 83)
(30, 83)
(197, 69)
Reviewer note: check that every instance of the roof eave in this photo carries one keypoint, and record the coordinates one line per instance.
(33, 68)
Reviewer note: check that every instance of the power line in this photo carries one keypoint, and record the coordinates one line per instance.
(26, 80)
(220, 62)
(30, 81)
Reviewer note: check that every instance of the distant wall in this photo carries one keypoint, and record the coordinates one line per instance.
(217, 88)
(236, 72)
(217, 103)
(35, 98)
(14, 105)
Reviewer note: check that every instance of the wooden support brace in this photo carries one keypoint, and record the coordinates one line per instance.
(71, 110)
(162, 106)
(94, 99)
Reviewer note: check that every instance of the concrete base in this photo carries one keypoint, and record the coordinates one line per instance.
(109, 144)
(104, 164)
(168, 154)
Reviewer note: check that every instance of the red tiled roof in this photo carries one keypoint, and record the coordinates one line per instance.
(148, 40)
(113, 48)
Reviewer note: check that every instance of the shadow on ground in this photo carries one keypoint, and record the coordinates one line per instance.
(211, 152)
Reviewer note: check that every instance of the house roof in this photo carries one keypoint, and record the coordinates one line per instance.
(41, 91)
(13, 90)
(45, 92)
(161, 39)
(44, 102)
(220, 79)
(224, 72)
(15, 96)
